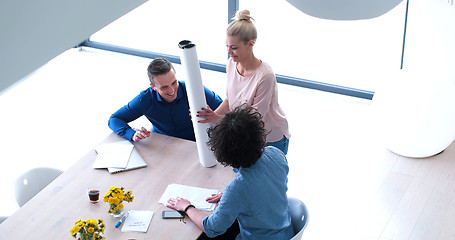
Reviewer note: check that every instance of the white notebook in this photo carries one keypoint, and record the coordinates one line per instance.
(118, 157)
(115, 154)
(136, 161)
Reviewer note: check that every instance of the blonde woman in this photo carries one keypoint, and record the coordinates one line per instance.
(251, 81)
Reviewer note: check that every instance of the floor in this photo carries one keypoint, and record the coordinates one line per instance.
(353, 186)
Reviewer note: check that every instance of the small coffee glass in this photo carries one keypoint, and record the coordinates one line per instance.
(93, 194)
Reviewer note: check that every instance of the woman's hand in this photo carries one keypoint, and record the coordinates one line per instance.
(209, 115)
(214, 198)
(178, 203)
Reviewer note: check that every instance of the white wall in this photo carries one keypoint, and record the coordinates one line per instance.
(416, 106)
(430, 38)
(34, 32)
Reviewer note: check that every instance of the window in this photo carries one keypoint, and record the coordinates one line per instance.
(353, 54)
(343, 53)
(158, 26)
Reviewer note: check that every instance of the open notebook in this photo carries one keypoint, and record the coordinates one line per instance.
(195, 195)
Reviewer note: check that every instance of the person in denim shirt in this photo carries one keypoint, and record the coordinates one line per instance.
(254, 205)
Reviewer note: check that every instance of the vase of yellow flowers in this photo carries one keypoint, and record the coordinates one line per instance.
(89, 229)
(115, 197)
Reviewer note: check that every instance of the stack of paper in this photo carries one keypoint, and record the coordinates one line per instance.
(118, 157)
(195, 195)
(137, 221)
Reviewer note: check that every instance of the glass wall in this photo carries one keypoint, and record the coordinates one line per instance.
(345, 53)
(158, 26)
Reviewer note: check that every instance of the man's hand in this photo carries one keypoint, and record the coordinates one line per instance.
(140, 134)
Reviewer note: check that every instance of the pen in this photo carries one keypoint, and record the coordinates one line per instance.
(140, 130)
(121, 220)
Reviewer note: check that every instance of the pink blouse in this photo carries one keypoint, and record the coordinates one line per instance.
(260, 91)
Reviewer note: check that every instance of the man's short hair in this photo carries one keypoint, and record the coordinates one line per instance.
(157, 67)
(238, 140)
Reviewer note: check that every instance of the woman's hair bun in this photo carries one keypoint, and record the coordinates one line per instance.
(243, 15)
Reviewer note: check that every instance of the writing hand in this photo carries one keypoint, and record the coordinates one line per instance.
(140, 134)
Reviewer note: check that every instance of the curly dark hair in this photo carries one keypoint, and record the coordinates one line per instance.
(238, 140)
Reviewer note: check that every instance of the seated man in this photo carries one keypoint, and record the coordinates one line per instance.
(165, 104)
(254, 205)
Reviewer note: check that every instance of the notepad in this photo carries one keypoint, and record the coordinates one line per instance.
(135, 161)
(195, 195)
(137, 221)
(118, 157)
(115, 154)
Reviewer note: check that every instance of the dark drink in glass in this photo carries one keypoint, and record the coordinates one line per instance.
(94, 195)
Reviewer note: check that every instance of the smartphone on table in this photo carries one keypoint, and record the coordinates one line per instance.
(170, 214)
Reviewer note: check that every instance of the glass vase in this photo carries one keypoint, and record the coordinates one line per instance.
(117, 213)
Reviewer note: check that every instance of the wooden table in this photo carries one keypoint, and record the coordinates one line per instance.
(52, 212)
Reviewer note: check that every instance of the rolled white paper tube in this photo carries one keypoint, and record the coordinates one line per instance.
(196, 98)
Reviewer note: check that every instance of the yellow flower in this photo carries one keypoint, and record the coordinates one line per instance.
(91, 221)
(72, 231)
(111, 200)
(87, 228)
(116, 196)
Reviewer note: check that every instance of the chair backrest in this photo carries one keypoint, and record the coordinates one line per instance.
(299, 217)
(33, 181)
(2, 218)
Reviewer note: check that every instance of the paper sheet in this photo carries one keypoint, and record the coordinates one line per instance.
(114, 154)
(196, 98)
(137, 221)
(195, 195)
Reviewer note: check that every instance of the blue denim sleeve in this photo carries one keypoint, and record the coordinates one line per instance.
(118, 121)
(225, 214)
